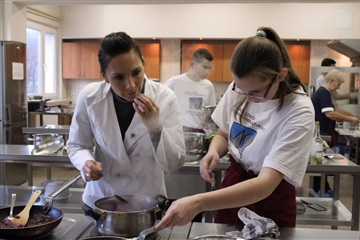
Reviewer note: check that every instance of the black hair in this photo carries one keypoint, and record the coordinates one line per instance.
(200, 54)
(327, 62)
(114, 44)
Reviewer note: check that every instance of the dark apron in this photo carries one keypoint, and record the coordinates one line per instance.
(280, 206)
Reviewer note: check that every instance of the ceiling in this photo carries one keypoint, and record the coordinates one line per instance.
(66, 2)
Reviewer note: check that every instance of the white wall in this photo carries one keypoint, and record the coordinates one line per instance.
(290, 20)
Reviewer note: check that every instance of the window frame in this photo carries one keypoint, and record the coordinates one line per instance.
(44, 23)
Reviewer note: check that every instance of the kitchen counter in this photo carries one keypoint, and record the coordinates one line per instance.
(199, 229)
(22, 154)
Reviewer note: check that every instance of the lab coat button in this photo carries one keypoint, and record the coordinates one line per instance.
(132, 135)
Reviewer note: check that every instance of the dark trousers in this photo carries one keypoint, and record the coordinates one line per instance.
(317, 184)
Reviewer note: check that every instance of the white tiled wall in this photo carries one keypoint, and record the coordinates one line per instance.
(74, 86)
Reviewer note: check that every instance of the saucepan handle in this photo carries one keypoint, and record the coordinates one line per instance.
(90, 212)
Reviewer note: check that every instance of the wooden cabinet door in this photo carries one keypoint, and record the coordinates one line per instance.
(300, 58)
(228, 51)
(90, 66)
(151, 54)
(80, 60)
(71, 60)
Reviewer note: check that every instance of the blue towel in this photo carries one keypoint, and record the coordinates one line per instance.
(255, 226)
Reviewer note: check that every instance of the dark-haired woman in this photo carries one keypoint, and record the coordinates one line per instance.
(134, 122)
(266, 122)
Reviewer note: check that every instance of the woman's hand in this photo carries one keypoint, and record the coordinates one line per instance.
(92, 170)
(180, 212)
(149, 112)
(208, 164)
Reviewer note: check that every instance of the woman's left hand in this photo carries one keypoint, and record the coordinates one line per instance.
(180, 212)
(149, 112)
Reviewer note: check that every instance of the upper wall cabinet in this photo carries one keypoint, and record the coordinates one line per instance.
(299, 52)
(222, 50)
(151, 52)
(80, 58)
(219, 49)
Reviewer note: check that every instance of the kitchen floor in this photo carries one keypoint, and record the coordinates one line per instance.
(57, 173)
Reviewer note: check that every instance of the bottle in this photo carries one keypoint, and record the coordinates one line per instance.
(317, 147)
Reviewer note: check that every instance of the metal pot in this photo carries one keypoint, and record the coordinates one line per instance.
(125, 219)
(208, 111)
(41, 137)
(194, 142)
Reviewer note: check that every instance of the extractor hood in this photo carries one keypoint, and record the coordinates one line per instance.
(347, 47)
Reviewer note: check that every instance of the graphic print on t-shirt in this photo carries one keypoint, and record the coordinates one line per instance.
(241, 136)
(195, 103)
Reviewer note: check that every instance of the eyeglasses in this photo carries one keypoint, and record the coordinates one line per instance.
(237, 90)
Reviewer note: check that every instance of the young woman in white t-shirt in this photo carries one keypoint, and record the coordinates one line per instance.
(266, 122)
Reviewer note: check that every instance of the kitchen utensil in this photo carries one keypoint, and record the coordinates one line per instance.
(216, 237)
(314, 206)
(147, 232)
(41, 137)
(13, 197)
(23, 217)
(48, 147)
(194, 142)
(329, 153)
(55, 214)
(54, 185)
(117, 218)
(120, 198)
(208, 111)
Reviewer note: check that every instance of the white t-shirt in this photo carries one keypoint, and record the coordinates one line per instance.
(320, 81)
(267, 137)
(192, 95)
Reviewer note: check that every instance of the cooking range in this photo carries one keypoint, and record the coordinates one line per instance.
(74, 225)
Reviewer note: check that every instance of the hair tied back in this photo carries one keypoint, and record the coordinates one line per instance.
(261, 33)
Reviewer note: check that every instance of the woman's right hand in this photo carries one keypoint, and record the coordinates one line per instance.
(92, 170)
(207, 166)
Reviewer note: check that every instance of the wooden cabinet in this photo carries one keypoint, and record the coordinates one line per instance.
(151, 53)
(80, 59)
(228, 51)
(221, 51)
(299, 52)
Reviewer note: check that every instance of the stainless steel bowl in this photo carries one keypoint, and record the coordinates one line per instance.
(194, 142)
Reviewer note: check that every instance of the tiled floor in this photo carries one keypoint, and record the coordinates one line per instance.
(39, 176)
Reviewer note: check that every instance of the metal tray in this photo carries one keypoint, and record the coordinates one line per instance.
(48, 147)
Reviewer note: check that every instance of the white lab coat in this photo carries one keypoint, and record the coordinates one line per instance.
(132, 166)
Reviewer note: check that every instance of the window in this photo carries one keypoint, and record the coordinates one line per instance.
(41, 59)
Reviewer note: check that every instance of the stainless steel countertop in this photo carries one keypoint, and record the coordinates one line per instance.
(22, 154)
(199, 229)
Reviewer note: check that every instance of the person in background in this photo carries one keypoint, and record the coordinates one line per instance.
(266, 122)
(135, 124)
(194, 91)
(329, 62)
(326, 62)
(327, 115)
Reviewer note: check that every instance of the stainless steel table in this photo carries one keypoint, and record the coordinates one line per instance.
(199, 229)
(22, 154)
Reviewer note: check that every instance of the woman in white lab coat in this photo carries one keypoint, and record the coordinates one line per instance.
(126, 130)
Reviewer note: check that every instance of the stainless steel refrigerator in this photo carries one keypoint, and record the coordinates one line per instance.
(13, 103)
